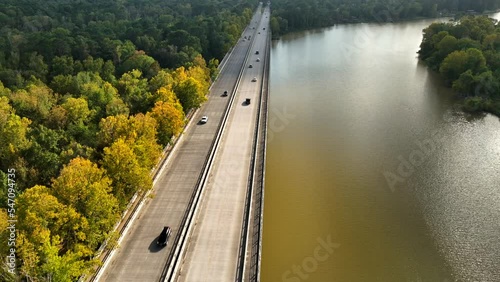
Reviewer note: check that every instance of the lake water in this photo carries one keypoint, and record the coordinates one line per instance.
(373, 172)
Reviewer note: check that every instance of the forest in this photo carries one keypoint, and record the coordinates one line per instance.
(90, 93)
(291, 15)
(467, 54)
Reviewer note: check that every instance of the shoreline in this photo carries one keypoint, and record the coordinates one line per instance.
(442, 16)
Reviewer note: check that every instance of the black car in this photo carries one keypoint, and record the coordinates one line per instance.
(164, 235)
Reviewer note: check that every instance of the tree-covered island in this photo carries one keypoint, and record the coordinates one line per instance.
(467, 54)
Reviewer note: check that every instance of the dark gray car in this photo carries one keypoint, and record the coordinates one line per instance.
(164, 235)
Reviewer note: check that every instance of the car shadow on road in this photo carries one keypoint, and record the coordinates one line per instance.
(153, 247)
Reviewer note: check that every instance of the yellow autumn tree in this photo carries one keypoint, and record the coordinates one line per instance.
(51, 237)
(123, 167)
(85, 187)
(190, 91)
(114, 127)
(166, 94)
(145, 145)
(13, 130)
(170, 120)
(138, 131)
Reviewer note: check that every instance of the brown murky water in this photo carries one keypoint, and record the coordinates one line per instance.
(372, 172)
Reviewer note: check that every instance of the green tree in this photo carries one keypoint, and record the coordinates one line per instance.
(93, 66)
(34, 103)
(77, 110)
(162, 79)
(99, 95)
(64, 84)
(117, 107)
(43, 153)
(135, 91)
(35, 66)
(459, 61)
(213, 66)
(465, 83)
(63, 65)
(142, 62)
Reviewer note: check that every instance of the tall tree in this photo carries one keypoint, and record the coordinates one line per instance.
(128, 175)
(170, 120)
(85, 187)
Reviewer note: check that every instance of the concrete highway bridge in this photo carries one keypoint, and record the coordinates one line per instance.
(209, 189)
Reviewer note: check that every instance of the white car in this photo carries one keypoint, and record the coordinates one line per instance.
(254, 79)
(204, 119)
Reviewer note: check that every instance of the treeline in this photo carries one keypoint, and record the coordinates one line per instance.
(467, 54)
(290, 15)
(90, 93)
(33, 33)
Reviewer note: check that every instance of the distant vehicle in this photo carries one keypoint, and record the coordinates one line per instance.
(247, 101)
(263, 28)
(257, 52)
(259, 32)
(204, 119)
(258, 60)
(250, 66)
(225, 93)
(164, 235)
(254, 79)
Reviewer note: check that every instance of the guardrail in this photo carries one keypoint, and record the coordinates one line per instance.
(172, 264)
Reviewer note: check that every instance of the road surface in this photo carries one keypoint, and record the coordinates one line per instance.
(213, 251)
